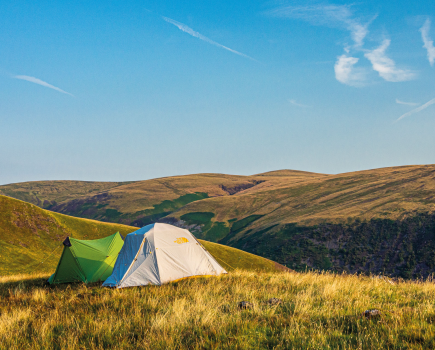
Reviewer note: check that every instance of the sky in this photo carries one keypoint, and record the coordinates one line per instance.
(133, 90)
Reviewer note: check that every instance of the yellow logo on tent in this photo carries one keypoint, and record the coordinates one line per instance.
(181, 240)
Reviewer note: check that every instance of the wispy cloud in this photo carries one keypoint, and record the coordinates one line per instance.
(293, 102)
(406, 103)
(428, 43)
(385, 66)
(40, 82)
(190, 31)
(416, 110)
(340, 16)
(346, 73)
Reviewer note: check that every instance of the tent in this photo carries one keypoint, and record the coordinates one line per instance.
(158, 254)
(87, 260)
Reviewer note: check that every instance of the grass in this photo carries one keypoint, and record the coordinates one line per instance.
(319, 311)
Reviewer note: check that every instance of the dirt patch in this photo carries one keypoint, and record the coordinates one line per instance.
(239, 188)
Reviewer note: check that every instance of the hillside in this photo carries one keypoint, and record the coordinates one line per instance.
(141, 202)
(378, 220)
(317, 311)
(29, 234)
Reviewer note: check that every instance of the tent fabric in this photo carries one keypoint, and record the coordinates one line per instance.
(158, 254)
(87, 260)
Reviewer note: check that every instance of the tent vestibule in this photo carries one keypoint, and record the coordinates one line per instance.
(87, 260)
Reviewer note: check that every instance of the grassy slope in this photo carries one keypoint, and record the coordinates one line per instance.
(128, 202)
(319, 311)
(390, 193)
(377, 221)
(232, 258)
(28, 234)
(38, 192)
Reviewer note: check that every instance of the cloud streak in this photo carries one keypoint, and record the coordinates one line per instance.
(428, 42)
(385, 66)
(340, 16)
(406, 103)
(345, 72)
(293, 102)
(416, 110)
(195, 34)
(40, 82)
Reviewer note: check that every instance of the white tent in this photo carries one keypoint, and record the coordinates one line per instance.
(160, 253)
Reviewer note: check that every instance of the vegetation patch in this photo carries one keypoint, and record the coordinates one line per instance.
(218, 231)
(148, 216)
(112, 214)
(200, 218)
(241, 224)
(179, 202)
(238, 226)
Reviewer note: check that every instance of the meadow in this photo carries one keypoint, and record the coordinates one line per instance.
(318, 311)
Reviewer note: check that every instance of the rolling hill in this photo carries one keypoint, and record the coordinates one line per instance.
(141, 202)
(31, 240)
(379, 221)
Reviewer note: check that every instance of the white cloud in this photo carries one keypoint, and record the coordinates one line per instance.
(406, 103)
(428, 43)
(190, 31)
(40, 82)
(416, 110)
(340, 16)
(293, 102)
(385, 66)
(346, 73)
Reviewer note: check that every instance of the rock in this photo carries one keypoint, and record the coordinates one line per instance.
(245, 305)
(373, 313)
(274, 301)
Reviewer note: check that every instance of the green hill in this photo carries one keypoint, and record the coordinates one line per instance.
(30, 235)
(378, 220)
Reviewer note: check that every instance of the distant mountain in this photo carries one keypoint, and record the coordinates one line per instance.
(379, 220)
(141, 202)
(31, 240)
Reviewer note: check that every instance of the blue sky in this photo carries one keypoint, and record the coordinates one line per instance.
(129, 90)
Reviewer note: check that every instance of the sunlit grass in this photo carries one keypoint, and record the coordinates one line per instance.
(319, 311)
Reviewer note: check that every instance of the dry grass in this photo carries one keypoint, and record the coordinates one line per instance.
(319, 311)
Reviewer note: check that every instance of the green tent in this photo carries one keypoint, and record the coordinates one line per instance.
(87, 260)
